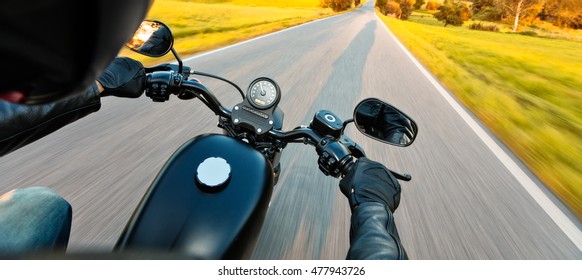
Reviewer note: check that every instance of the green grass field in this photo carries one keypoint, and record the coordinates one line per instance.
(201, 25)
(528, 90)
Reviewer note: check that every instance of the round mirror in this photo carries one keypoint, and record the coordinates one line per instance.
(383, 122)
(152, 38)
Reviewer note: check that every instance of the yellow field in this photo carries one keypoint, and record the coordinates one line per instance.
(278, 3)
(203, 25)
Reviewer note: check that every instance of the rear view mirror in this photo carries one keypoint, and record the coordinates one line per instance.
(385, 123)
(152, 38)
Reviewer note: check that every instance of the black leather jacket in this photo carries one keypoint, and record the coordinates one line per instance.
(373, 234)
(24, 124)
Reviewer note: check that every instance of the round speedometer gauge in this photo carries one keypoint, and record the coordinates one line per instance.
(263, 93)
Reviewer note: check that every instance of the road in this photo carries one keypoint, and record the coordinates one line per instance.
(462, 203)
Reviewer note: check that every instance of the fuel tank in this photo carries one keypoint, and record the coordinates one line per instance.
(208, 202)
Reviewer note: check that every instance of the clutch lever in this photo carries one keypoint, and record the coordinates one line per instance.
(168, 67)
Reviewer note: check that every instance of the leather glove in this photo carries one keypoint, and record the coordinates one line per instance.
(124, 77)
(370, 181)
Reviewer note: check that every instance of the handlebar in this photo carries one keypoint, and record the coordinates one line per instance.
(335, 158)
(207, 97)
(161, 84)
(336, 151)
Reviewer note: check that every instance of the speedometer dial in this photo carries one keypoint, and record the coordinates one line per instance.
(263, 93)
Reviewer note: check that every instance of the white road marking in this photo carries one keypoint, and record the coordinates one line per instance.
(563, 222)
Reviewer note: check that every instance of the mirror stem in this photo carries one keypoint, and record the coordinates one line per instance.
(180, 64)
(346, 124)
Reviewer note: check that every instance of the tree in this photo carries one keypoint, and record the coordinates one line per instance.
(381, 4)
(563, 13)
(453, 12)
(336, 5)
(432, 5)
(393, 8)
(419, 4)
(486, 10)
(407, 7)
(400, 9)
(519, 8)
(481, 5)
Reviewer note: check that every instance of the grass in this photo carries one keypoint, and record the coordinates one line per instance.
(527, 89)
(202, 25)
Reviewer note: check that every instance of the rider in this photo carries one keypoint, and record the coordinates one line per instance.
(58, 77)
(48, 81)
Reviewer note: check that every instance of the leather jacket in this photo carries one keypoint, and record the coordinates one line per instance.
(373, 234)
(373, 195)
(24, 124)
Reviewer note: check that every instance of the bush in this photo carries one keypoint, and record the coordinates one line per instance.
(453, 12)
(432, 5)
(528, 33)
(572, 21)
(336, 5)
(484, 27)
(576, 22)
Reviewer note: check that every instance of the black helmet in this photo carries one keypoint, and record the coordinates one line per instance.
(50, 49)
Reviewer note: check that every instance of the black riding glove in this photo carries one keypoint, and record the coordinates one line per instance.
(370, 181)
(124, 77)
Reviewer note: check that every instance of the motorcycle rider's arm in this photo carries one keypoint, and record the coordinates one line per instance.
(373, 234)
(373, 194)
(24, 124)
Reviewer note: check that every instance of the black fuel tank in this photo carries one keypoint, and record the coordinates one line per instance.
(182, 216)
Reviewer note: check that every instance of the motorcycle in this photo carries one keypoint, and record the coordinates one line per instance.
(210, 199)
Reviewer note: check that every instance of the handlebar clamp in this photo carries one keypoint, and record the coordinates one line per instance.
(158, 85)
(334, 158)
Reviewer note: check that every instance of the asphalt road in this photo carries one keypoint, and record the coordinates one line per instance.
(462, 203)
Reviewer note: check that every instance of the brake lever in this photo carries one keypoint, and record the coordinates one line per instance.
(161, 67)
(358, 152)
(404, 177)
(168, 67)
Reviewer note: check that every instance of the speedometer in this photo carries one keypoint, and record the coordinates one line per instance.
(263, 93)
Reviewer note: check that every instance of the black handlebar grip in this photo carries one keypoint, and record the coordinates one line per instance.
(347, 167)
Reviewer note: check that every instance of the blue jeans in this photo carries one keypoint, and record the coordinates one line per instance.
(33, 221)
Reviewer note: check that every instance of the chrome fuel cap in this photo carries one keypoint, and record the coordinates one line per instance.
(213, 174)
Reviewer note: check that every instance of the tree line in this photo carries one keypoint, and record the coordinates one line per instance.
(562, 13)
(339, 5)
